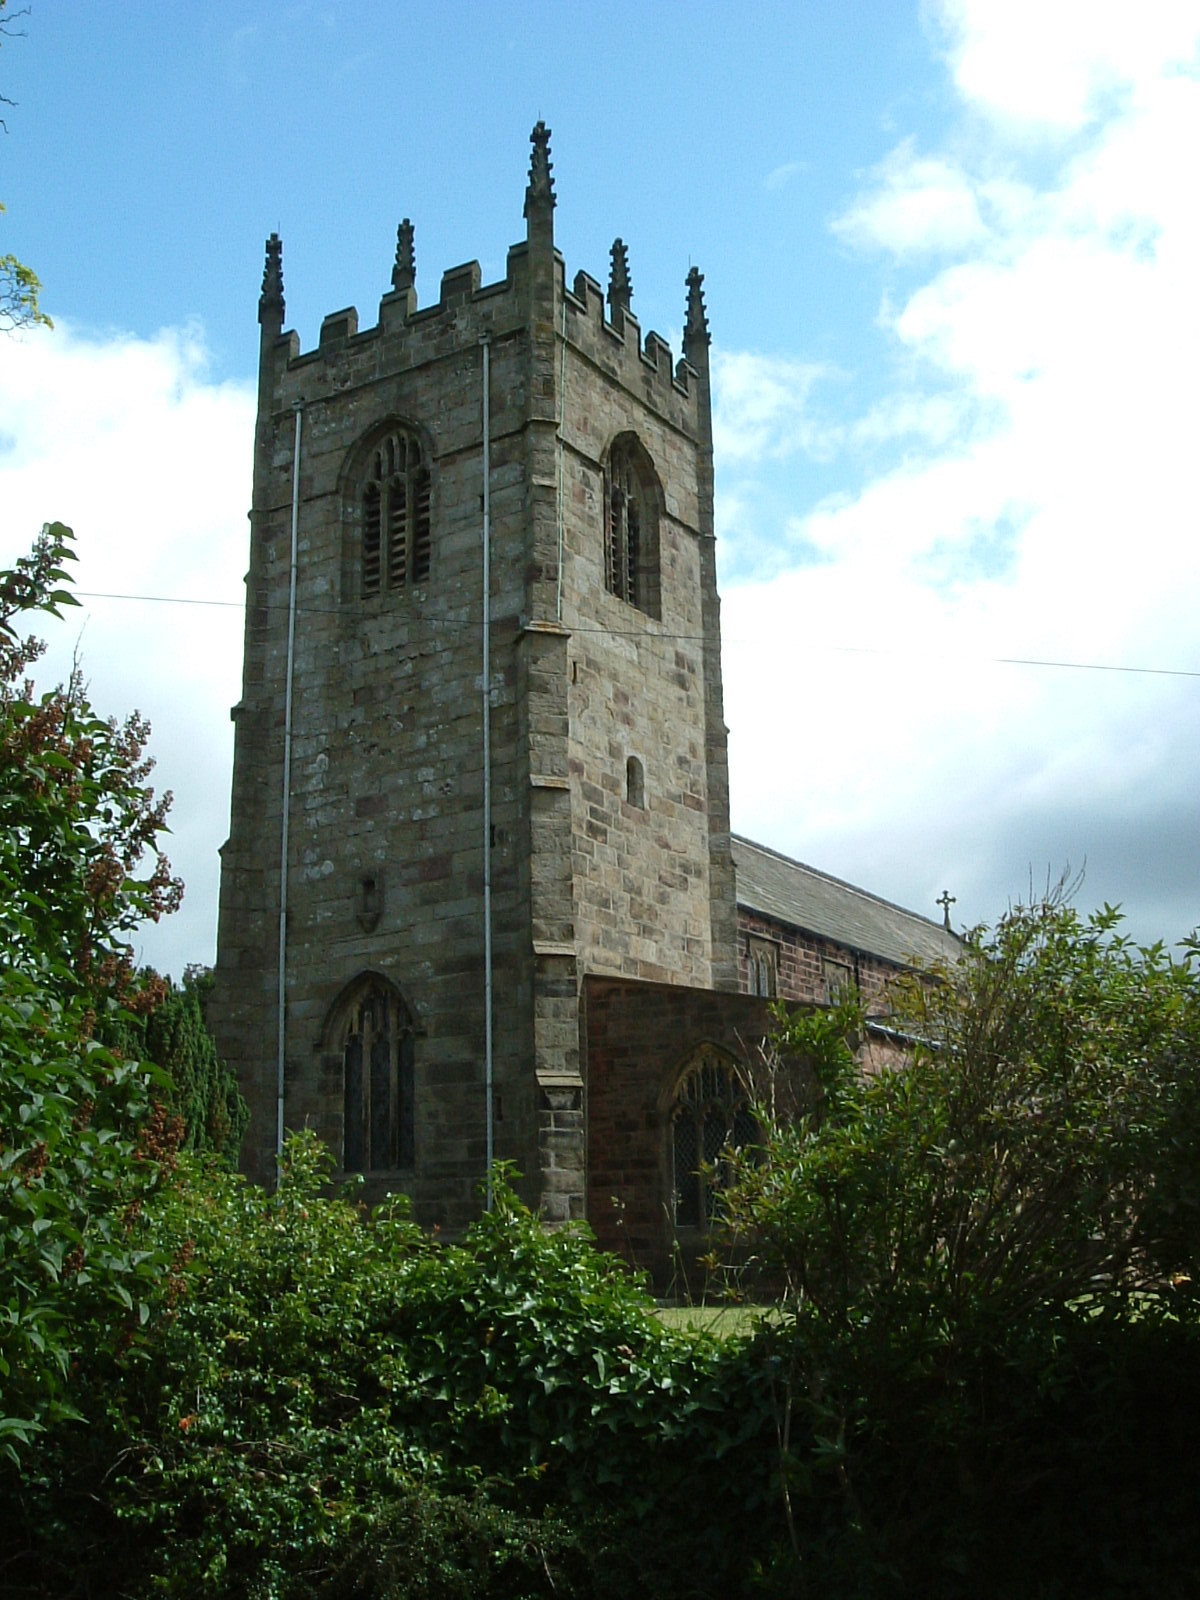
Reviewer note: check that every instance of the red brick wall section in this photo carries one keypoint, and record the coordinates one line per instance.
(800, 963)
(638, 1036)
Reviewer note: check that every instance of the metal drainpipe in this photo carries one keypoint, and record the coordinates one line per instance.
(281, 1044)
(562, 422)
(485, 341)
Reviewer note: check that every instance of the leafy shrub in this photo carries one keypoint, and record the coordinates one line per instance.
(318, 1384)
(973, 1247)
(82, 1146)
(202, 1091)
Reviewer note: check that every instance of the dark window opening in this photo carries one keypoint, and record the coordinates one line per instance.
(377, 1060)
(396, 535)
(635, 783)
(631, 568)
(712, 1115)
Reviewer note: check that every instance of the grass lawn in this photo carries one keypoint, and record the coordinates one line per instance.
(726, 1321)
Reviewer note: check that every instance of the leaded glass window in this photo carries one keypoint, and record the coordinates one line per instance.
(377, 1065)
(711, 1116)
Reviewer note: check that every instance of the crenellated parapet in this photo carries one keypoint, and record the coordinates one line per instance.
(615, 345)
(599, 325)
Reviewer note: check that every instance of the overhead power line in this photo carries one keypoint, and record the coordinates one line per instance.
(469, 619)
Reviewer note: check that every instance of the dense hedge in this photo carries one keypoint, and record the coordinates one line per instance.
(331, 1404)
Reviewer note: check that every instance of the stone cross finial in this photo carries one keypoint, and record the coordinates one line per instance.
(540, 193)
(270, 301)
(404, 273)
(946, 900)
(695, 331)
(620, 290)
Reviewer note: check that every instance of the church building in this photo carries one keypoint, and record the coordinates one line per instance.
(480, 899)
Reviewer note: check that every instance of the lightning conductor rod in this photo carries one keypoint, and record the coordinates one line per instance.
(281, 1043)
(485, 342)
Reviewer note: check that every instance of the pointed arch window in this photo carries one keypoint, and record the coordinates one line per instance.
(395, 507)
(631, 501)
(375, 1040)
(711, 1114)
(762, 958)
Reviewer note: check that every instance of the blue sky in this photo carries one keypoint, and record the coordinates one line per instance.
(950, 254)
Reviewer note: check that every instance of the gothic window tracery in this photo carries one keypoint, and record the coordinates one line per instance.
(395, 506)
(631, 566)
(711, 1114)
(374, 1037)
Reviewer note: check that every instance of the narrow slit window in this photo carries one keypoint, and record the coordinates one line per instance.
(635, 783)
(762, 957)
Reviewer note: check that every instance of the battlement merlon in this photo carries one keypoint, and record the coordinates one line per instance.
(646, 366)
(533, 293)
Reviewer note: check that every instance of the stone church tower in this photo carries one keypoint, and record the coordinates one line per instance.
(480, 752)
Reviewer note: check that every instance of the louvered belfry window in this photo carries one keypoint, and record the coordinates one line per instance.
(396, 542)
(631, 526)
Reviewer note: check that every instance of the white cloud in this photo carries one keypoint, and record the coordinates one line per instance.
(1055, 68)
(129, 442)
(1046, 508)
(779, 177)
(761, 406)
(914, 204)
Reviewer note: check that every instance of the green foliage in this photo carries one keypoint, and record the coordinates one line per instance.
(81, 1147)
(337, 1404)
(976, 1244)
(76, 1162)
(1041, 1145)
(989, 1324)
(174, 1036)
(20, 288)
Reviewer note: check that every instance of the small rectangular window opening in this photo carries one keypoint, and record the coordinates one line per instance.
(635, 783)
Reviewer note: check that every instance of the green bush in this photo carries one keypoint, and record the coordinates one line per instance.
(979, 1252)
(173, 1034)
(318, 1383)
(82, 1146)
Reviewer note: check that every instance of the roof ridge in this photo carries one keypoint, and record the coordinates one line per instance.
(842, 883)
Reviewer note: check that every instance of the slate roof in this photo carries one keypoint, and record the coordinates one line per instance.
(775, 886)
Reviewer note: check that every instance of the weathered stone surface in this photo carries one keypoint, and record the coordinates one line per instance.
(385, 848)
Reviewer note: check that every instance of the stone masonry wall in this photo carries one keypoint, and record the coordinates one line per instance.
(387, 745)
(637, 685)
(387, 740)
